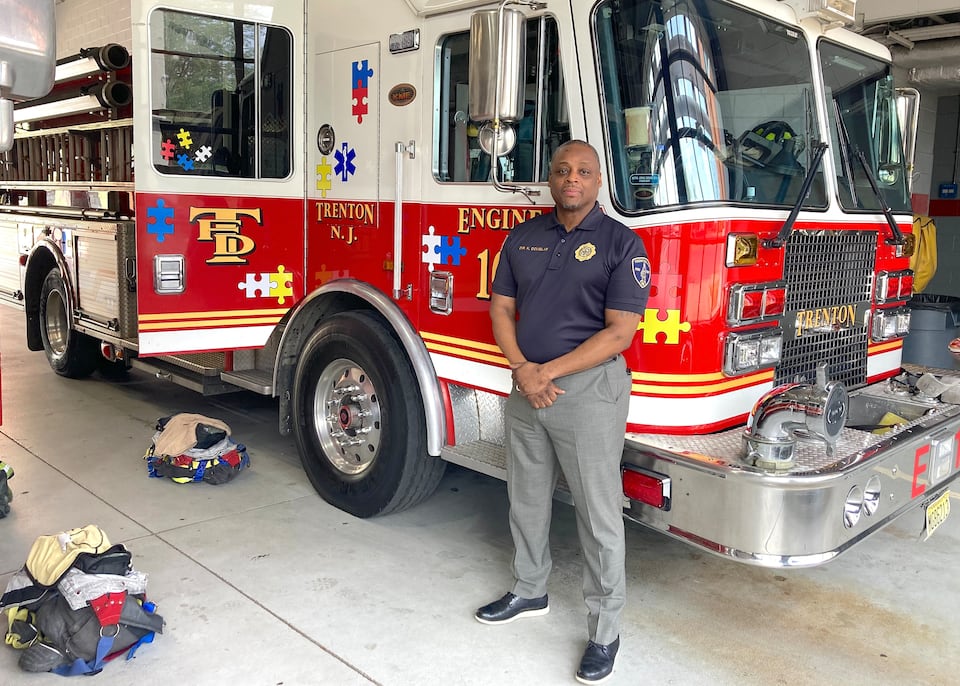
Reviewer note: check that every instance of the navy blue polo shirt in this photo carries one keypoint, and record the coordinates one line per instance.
(563, 282)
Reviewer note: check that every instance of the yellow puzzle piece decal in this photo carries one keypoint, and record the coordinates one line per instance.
(651, 325)
(324, 170)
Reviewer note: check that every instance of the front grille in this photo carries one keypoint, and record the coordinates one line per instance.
(827, 272)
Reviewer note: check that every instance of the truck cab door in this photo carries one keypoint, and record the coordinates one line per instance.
(346, 233)
(219, 175)
(465, 218)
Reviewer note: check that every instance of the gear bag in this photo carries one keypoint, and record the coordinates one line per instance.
(205, 451)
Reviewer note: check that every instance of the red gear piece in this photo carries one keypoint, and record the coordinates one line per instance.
(108, 607)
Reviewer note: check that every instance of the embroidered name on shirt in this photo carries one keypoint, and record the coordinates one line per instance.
(533, 248)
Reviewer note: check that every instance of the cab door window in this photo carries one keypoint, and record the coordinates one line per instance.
(544, 126)
(221, 96)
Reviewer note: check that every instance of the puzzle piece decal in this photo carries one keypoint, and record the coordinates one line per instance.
(345, 167)
(449, 250)
(359, 85)
(281, 285)
(651, 325)
(431, 248)
(203, 154)
(360, 105)
(278, 284)
(185, 139)
(185, 162)
(325, 274)
(257, 285)
(324, 182)
(168, 150)
(361, 74)
(162, 224)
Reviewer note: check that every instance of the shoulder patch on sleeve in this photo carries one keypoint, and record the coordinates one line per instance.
(641, 271)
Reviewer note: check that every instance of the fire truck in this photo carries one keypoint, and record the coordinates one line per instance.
(300, 201)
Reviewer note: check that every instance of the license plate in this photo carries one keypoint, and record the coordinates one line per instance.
(937, 512)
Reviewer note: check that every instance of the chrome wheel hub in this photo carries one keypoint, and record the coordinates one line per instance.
(347, 413)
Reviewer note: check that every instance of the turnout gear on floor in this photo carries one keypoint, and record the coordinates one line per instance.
(76, 604)
(203, 449)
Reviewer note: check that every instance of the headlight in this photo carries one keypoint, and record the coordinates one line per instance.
(888, 324)
(746, 352)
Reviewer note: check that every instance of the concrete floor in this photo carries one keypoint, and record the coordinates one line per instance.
(262, 582)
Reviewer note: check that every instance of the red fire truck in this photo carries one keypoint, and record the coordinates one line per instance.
(307, 203)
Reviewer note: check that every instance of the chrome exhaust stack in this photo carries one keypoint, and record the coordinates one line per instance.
(793, 412)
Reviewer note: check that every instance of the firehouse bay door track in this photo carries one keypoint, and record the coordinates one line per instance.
(320, 220)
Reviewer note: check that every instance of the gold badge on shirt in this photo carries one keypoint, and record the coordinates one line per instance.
(585, 252)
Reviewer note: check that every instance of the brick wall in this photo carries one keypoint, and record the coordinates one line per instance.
(89, 23)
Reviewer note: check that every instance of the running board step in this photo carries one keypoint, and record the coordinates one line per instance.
(480, 456)
(204, 381)
(256, 380)
(491, 459)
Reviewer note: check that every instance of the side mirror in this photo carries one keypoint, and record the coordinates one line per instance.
(498, 44)
(27, 57)
(908, 112)
(497, 58)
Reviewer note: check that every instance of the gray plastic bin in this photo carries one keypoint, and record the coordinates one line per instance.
(934, 322)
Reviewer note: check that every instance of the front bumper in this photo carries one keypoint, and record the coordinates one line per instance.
(802, 517)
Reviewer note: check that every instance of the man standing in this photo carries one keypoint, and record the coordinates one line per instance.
(579, 281)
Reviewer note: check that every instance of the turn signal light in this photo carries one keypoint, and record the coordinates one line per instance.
(755, 302)
(892, 286)
(742, 249)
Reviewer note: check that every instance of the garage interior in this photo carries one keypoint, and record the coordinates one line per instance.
(262, 582)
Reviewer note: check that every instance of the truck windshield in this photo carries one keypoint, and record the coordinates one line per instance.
(705, 103)
(863, 120)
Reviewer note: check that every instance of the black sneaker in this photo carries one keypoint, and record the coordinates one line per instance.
(511, 607)
(596, 666)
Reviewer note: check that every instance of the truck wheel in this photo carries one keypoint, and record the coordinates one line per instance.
(358, 419)
(69, 352)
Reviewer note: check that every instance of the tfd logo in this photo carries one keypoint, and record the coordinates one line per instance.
(222, 226)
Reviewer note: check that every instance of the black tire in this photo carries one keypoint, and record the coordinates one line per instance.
(69, 352)
(366, 454)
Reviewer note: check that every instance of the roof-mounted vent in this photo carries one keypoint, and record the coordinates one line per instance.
(831, 11)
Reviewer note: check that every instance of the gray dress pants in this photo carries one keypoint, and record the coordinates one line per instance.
(582, 433)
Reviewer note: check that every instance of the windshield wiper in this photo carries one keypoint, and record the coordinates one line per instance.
(897, 237)
(781, 239)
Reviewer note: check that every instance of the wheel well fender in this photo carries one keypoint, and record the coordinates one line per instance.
(344, 295)
(44, 256)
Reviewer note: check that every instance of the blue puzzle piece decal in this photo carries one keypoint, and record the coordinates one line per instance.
(449, 250)
(361, 74)
(162, 217)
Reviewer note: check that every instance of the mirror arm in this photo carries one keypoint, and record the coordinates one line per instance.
(528, 193)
